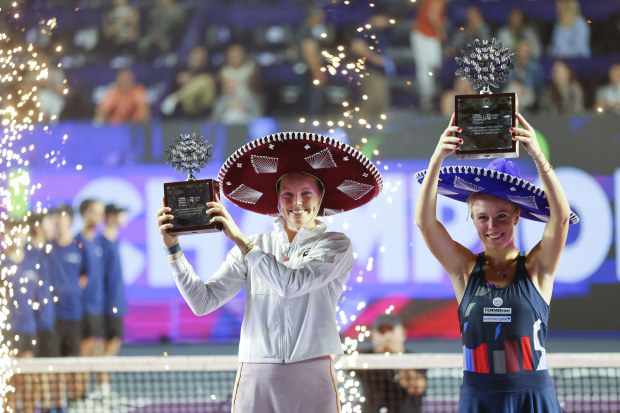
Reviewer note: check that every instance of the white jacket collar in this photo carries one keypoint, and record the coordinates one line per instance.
(305, 235)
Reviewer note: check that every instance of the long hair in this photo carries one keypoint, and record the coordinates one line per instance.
(569, 12)
(554, 90)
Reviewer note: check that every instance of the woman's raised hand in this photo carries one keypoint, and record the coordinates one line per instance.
(527, 136)
(448, 143)
(219, 214)
(163, 222)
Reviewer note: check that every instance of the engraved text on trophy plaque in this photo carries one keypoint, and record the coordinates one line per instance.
(188, 203)
(485, 121)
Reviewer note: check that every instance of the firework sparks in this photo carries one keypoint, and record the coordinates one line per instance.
(22, 72)
(354, 70)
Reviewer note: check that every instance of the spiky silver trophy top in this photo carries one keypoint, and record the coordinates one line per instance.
(189, 153)
(485, 64)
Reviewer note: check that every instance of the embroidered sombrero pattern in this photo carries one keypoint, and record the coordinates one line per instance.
(249, 176)
(459, 182)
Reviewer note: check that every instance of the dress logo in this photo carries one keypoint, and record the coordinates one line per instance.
(497, 301)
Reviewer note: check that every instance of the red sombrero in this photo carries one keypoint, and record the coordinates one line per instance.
(249, 176)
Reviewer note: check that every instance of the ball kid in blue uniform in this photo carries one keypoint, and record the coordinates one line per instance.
(92, 259)
(114, 286)
(50, 387)
(503, 293)
(37, 250)
(20, 275)
(66, 266)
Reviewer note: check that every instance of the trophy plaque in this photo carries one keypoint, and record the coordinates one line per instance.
(188, 199)
(486, 118)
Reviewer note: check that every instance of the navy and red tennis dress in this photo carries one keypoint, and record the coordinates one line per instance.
(504, 359)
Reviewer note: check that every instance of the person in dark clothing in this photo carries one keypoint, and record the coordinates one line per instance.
(312, 80)
(92, 259)
(394, 391)
(503, 293)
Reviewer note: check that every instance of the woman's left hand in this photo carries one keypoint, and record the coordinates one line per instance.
(527, 136)
(219, 214)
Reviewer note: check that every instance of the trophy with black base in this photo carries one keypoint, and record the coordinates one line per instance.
(486, 118)
(188, 199)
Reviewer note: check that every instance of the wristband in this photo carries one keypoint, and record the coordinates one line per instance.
(174, 249)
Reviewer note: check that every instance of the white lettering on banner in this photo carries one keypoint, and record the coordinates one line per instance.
(406, 257)
(210, 249)
(387, 229)
(497, 319)
(453, 215)
(617, 202)
(495, 310)
(582, 257)
(122, 192)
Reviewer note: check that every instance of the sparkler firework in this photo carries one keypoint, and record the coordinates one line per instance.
(22, 72)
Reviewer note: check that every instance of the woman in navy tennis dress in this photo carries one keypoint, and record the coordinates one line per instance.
(503, 293)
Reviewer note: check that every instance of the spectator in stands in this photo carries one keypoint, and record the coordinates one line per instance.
(571, 33)
(372, 45)
(125, 101)
(460, 87)
(563, 95)
(427, 38)
(50, 90)
(528, 80)
(163, 22)
(121, 28)
(238, 80)
(516, 30)
(398, 391)
(474, 28)
(608, 96)
(194, 87)
(114, 287)
(313, 80)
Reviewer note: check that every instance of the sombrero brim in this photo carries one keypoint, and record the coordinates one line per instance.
(248, 177)
(459, 182)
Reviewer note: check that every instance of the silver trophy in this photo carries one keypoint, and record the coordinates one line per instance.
(188, 199)
(486, 118)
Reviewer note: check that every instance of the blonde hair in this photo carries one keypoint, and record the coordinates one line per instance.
(471, 199)
(569, 12)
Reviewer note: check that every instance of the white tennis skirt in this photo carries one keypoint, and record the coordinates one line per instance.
(307, 386)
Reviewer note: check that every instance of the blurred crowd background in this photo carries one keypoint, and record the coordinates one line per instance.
(232, 61)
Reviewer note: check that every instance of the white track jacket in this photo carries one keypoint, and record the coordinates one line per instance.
(290, 305)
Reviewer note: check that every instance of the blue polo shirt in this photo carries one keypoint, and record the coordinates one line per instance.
(22, 278)
(66, 268)
(46, 314)
(114, 286)
(92, 258)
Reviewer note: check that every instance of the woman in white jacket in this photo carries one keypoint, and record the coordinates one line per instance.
(294, 275)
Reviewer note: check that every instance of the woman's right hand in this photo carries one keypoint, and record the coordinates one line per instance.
(163, 222)
(448, 143)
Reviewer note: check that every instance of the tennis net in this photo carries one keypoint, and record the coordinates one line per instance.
(429, 383)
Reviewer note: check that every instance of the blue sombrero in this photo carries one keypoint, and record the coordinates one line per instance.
(501, 178)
